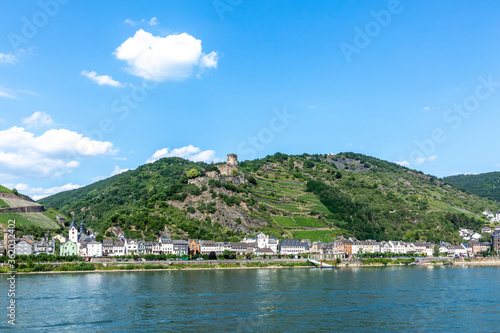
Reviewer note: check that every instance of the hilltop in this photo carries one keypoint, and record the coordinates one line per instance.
(486, 185)
(301, 196)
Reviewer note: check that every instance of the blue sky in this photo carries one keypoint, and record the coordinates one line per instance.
(88, 90)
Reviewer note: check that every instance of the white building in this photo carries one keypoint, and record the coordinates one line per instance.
(94, 249)
(207, 246)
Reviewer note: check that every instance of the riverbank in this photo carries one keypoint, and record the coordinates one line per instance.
(148, 267)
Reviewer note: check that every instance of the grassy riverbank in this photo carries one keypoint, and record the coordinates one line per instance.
(99, 267)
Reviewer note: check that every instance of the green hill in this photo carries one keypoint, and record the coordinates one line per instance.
(29, 217)
(486, 185)
(306, 196)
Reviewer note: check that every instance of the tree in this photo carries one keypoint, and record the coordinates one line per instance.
(212, 256)
(436, 251)
(252, 180)
(193, 173)
(226, 254)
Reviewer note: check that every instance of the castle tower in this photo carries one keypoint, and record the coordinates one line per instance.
(231, 164)
(232, 161)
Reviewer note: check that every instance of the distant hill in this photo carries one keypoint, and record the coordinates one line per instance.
(287, 196)
(486, 185)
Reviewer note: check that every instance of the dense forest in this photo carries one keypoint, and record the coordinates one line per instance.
(486, 185)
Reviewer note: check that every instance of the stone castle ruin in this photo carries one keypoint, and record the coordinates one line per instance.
(232, 164)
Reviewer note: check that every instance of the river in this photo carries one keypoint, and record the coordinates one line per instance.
(426, 299)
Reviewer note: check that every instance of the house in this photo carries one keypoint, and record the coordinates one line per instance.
(60, 238)
(107, 247)
(397, 247)
(68, 248)
(467, 248)
(476, 247)
(44, 246)
(495, 241)
(207, 246)
(317, 247)
(94, 248)
(118, 248)
(61, 220)
(476, 236)
(221, 247)
(131, 246)
(167, 246)
(485, 246)
(265, 251)
(424, 248)
(486, 230)
(156, 248)
(24, 247)
(272, 244)
(338, 247)
(148, 247)
(194, 246)
(456, 251)
(292, 246)
(263, 241)
(488, 214)
(239, 248)
(180, 247)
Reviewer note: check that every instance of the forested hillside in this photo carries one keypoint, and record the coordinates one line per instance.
(302, 196)
(486, 185)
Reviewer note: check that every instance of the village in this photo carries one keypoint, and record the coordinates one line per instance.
(83, 243)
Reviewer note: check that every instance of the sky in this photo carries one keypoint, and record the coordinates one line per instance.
(92, 89)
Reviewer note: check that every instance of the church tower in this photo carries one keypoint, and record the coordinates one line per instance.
(73, 232)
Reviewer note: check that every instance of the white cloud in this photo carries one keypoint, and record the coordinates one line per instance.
(38, 119)
(102, 79)
(129, 22)
(12, 93)
(173, 57)
(190, 152)
(6, 95)
(119, 158)
(314, 107)
(118, 170)
(38, 193)
(403, 163)
(98, 178)
(152, 22)
(49, 155)
(432, 158)
(7, 58)
(420, 160)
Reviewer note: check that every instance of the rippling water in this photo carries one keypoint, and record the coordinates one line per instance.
(431, 299)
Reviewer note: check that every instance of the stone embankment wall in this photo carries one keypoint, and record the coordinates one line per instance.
(30, 209)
